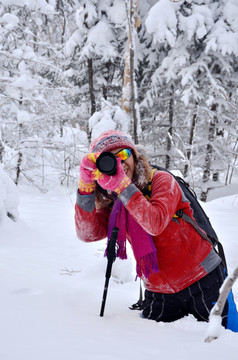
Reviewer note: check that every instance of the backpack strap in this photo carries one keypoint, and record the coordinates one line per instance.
(189, 220)
(147, 190)
(179, 213)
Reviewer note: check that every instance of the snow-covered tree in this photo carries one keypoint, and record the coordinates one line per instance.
(95, 54)
(35, 92)
(194, 83)
(61, 78)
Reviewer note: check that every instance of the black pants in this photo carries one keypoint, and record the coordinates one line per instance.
(197, 299)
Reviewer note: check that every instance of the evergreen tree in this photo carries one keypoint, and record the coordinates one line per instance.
(34, 88)
(196, 67)
(94, 52)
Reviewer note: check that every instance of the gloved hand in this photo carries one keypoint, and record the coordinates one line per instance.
(88, 173)
(117, 182)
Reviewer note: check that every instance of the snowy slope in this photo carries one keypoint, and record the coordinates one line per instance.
(51, 288)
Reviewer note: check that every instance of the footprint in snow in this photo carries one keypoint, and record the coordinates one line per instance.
(26, 291)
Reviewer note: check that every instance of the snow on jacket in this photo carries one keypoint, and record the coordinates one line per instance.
(183, 255)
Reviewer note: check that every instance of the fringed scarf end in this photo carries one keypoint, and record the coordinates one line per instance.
(121, 253)
(147, 265)
(120, 249)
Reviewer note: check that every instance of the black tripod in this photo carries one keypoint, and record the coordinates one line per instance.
(111, 257)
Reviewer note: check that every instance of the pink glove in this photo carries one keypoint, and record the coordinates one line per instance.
(117, 182)
(88, 173)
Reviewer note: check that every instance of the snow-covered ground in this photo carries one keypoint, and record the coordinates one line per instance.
(51, 287)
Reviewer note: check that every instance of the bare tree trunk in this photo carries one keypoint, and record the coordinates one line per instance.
(90, 82)
(60, 9)
(191, 137)
(231, 167)
(18, 169)
(129, 91)
(1, 151)
(134, 97)
(209, 153)
(125, 101)
(91, 93)
(170, 130)
(19, 161)
(107, 78)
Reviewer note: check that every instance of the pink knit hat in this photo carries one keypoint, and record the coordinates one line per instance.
(111, 140)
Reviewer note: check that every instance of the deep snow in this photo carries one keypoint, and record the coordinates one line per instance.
(51, 287)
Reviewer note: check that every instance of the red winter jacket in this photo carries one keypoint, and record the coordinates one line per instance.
(183, 255)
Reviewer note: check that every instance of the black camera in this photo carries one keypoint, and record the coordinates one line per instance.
(107, 163)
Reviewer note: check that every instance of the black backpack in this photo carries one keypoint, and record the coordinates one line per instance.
(201, 225)
(202, 220)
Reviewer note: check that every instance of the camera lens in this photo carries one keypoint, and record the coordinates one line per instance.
(107, 163)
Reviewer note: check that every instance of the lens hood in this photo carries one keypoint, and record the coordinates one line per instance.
(107, 163)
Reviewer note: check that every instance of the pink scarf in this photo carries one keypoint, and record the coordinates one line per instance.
(142, 244)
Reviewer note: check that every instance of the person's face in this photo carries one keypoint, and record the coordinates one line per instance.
(128, 164)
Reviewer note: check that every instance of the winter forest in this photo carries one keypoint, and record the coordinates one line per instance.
(165, 71)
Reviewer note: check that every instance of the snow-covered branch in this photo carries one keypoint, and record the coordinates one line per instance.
(214, 327)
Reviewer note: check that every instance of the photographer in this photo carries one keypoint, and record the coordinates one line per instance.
(181, 271)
